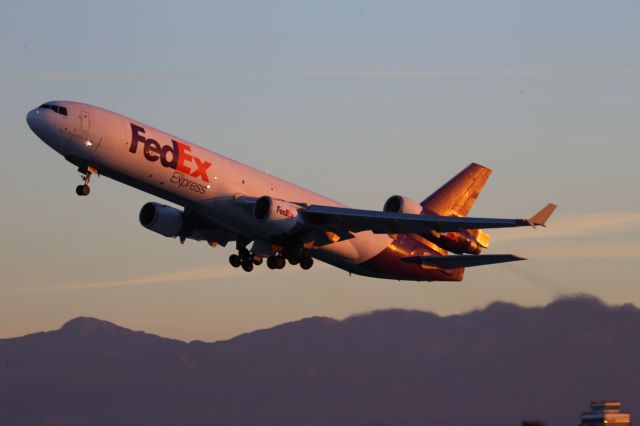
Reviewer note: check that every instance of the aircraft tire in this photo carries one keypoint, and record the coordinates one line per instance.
(271, 262)
(247, 265)
(83, 190)
(306, 263)
(257, 260)
(280, 262)
(235, 260)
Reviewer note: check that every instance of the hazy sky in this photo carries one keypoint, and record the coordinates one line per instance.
(355, 100)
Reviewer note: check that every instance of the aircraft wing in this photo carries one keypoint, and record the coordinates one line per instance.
(378, 222)
(462, 260)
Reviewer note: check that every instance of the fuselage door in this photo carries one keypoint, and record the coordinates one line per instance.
(85, 121)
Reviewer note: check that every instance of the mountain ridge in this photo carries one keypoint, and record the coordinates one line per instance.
(85, 325)
(391, 367)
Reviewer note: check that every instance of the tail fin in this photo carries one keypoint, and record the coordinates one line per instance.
(456, 197)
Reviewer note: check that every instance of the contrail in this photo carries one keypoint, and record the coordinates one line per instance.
(389, 74)
(570, 226)
(583, 250)
(468, 73)
(191, 274)
(208, 273)
(574, 237)
(578, 225)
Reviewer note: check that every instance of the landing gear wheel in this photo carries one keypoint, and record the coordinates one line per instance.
(235, 260)
(257, 260)
(294, 260)
(247, 265)
(83, 190)
(281, 262)
(271, 262)
(306, 263)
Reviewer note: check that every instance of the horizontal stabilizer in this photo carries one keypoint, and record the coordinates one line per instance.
(462, 260)
(540, 218)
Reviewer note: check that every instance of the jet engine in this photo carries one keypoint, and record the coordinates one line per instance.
(464, 241)
(402, 204)
(278, 217)
(162, 219)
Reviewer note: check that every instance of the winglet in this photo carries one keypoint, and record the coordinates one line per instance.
(540, 218)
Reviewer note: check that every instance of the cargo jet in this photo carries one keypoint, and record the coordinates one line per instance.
(222, 201)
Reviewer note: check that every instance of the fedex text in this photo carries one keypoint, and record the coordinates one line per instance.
(176, 156)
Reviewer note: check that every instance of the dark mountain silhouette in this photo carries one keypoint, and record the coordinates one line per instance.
(496, 366)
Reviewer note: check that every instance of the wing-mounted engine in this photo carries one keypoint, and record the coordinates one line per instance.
(277, 216)
(162, 219)
(402, 204)
(172, 223)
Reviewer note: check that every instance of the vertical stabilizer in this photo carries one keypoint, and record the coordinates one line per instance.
(456, 197)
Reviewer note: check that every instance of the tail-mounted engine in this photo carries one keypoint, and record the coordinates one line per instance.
(277, 216)
(402, 204)
(471, 241)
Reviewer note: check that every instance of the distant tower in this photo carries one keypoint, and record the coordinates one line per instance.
(605, 413)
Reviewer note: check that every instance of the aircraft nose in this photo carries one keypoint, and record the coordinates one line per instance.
(33, 119)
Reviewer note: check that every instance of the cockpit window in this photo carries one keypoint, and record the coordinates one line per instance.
(59, 109)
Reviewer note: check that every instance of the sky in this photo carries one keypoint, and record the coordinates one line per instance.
(357, 100)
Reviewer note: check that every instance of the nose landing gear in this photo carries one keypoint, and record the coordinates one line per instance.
(83, 190)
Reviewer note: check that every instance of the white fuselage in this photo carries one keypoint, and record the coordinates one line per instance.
(184, 173)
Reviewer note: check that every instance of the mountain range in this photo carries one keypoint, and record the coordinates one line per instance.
(496, 366)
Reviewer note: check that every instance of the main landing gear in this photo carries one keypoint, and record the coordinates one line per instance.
(246, 260)
(83, 190)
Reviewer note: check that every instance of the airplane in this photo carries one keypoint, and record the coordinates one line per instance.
(222, 201)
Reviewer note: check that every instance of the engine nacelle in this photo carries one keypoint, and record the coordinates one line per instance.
(278, 217)
(402, 204)
(162, 219)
